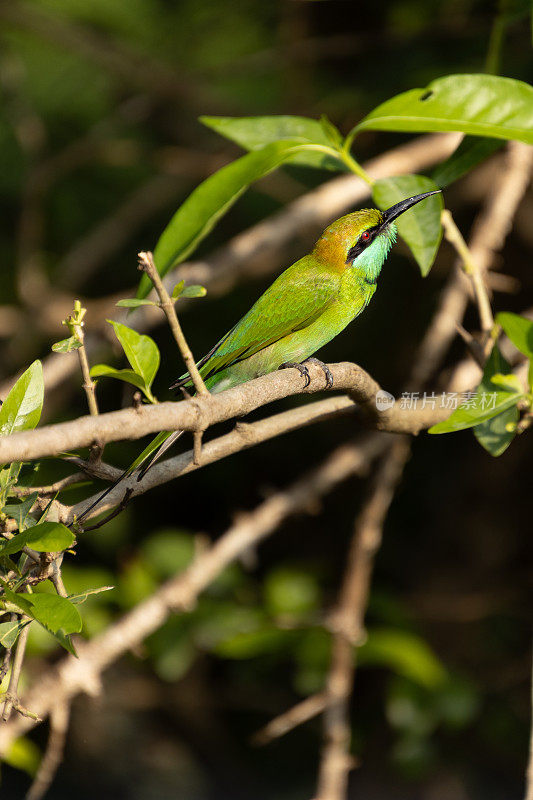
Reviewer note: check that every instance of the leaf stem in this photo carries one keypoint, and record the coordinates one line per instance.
(470, 268)
(146, 263)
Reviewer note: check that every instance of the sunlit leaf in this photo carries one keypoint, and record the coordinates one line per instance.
(420, 227)
(482, 105)
(127, 375)
(194, 291)
(135, 302)
(46, 537)
(67, 345)
(252, 133)
(519, 330)
(141, 351)
(490, 399)
(55, 613)
(21, 410)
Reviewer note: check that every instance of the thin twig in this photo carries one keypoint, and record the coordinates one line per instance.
(59, 719)
(52, 488)
(454, 236)
(302, 712)
(11, 696)
(146, 263)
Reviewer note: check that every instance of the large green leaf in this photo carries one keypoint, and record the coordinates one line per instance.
(54, 613)
(21, 410)
(197, 216)
(471, 152)
(420, 227)
(46, 537)
(482, 105)
(141, 351)
(252, 133)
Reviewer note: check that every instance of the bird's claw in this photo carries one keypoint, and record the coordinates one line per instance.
(325, 369)
(301, 369)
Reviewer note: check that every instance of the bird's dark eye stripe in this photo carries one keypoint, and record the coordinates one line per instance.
(354, 251)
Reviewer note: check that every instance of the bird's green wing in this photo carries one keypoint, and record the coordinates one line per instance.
(292, 302)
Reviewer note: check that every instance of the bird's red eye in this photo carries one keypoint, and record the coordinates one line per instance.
(365, 236)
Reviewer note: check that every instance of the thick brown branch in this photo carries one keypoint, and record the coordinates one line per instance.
(133, 423)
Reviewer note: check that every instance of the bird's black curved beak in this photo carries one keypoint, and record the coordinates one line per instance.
(404, 205)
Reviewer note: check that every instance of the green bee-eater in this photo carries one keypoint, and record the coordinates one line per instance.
(307, 305)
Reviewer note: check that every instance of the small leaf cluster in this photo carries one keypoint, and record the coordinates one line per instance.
(141, 350)
(500, 399)
(21, 411)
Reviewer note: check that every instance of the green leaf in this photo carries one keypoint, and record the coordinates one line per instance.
(82, 596)
(488, 400)
(519, 330)
(67, 345)
(46, 537)
(19, 512)
(127, 375)
(23, 754)
(54, 613)
(252, 133)
(405, 653)
(331, 132)
(198, 215)
(497, 433)
(467, 417)
(420, 227)
(194, 290)
(290, 591)
(141, 351)
(177, 290)
(9, 632)
(150, 448)
(482, 105)
(471, 152)
(135, 302)
(21, 410)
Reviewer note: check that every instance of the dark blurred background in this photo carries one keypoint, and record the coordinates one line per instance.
(99, 143)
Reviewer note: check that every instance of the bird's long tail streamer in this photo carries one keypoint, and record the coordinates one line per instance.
(143, 463)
